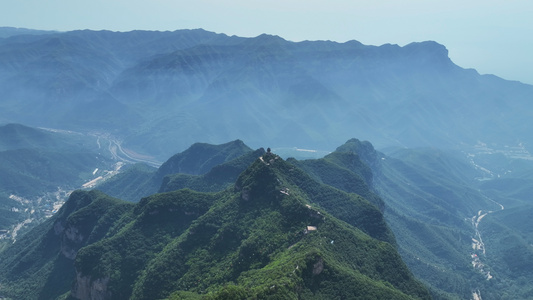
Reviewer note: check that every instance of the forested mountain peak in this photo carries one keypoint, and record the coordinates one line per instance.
(363, 149)
(202, 157)
(276, 233)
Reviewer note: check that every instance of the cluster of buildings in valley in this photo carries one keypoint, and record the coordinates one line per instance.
(46, 206)
(35, 210)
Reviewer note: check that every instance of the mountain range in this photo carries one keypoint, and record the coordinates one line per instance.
(427, 198)
(274, 233)
(159, 92)
(442, 210)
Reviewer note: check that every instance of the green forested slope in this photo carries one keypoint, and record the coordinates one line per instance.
(428, 198)
(40, 264)
(251, 240)
(508, 237)
(343, 170)
(132, 183)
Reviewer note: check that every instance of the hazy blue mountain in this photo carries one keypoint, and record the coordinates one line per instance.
(250, 240)
(17, 136)
(27, 172)
(163, 91)
(63, 79)
(35, 161)
(11, 31)
(132, 183)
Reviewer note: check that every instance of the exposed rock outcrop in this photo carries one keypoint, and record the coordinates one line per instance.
(88, 288)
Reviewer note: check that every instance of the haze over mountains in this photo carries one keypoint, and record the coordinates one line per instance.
(38, 168)
(448, 195)
(160, 92)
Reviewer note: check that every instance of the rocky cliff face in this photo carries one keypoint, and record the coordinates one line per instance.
(71, 242)
(26, 268)
(87, 288)
(70, 238)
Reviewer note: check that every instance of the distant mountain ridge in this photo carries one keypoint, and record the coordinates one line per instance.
(6, 32)
(17, 136)
(163, 91)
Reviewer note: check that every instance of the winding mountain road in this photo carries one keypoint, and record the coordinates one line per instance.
(118, 153)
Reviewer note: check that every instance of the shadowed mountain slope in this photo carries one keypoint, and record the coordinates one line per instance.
(217, 179)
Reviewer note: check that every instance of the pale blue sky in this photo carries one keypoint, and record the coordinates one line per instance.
(494, 37)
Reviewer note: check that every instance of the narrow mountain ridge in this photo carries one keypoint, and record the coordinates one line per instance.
(275, 233)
